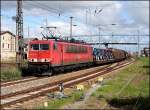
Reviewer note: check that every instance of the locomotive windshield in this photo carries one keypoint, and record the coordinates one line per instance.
(40, 46)
(44, 46)
(35, 46)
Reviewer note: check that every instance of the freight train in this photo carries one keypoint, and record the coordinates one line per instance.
(46, 56)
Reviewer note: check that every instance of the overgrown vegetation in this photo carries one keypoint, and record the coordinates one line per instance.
(129, 88)
(9, 71)
(57, 103)
(10, 74)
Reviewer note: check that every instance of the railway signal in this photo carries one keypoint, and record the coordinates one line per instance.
(61, 87)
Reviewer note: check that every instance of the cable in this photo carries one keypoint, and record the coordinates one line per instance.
(40, 6)
(45, 8)
(50, 11)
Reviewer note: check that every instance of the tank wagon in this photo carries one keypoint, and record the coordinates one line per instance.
(46, 56)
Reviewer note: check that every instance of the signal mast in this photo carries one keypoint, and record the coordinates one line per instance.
(19, 34)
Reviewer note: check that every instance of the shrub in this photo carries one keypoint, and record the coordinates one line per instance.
(10, 74)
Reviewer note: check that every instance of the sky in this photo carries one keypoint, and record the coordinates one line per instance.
(129, 17)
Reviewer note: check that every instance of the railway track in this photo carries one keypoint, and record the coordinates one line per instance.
(9, 83)
(24, 95)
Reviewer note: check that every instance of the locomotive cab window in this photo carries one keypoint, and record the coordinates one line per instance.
(44, 46)
(40, 46)
(35, 46)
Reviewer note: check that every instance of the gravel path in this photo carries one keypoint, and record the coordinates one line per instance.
(78, 104)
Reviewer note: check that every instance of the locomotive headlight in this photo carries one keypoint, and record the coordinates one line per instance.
(45, 60)
(42, 60)
(35, 60)
(31, 60)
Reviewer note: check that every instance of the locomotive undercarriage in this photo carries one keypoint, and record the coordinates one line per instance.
(47, 69)
(38, 69)
(72, 67)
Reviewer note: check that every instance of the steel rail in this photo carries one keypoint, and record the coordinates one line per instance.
(48, 85)
(67, 83)
(8, 83)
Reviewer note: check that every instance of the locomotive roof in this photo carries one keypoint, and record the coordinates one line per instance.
(36, 41)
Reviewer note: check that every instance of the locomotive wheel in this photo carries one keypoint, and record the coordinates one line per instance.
(48, 73)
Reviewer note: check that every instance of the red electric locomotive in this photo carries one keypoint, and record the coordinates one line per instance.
(55, 54)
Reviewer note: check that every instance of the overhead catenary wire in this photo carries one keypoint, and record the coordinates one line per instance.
(39, 5)
(48, 10)
(56, 11)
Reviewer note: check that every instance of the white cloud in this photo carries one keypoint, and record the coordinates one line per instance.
(128, 15)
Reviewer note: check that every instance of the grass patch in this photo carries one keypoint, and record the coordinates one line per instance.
(116, 93)
(57, 103)
(10, 71)
(10, 74)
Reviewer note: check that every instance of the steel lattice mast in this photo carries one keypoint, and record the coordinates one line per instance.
(19, 33)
